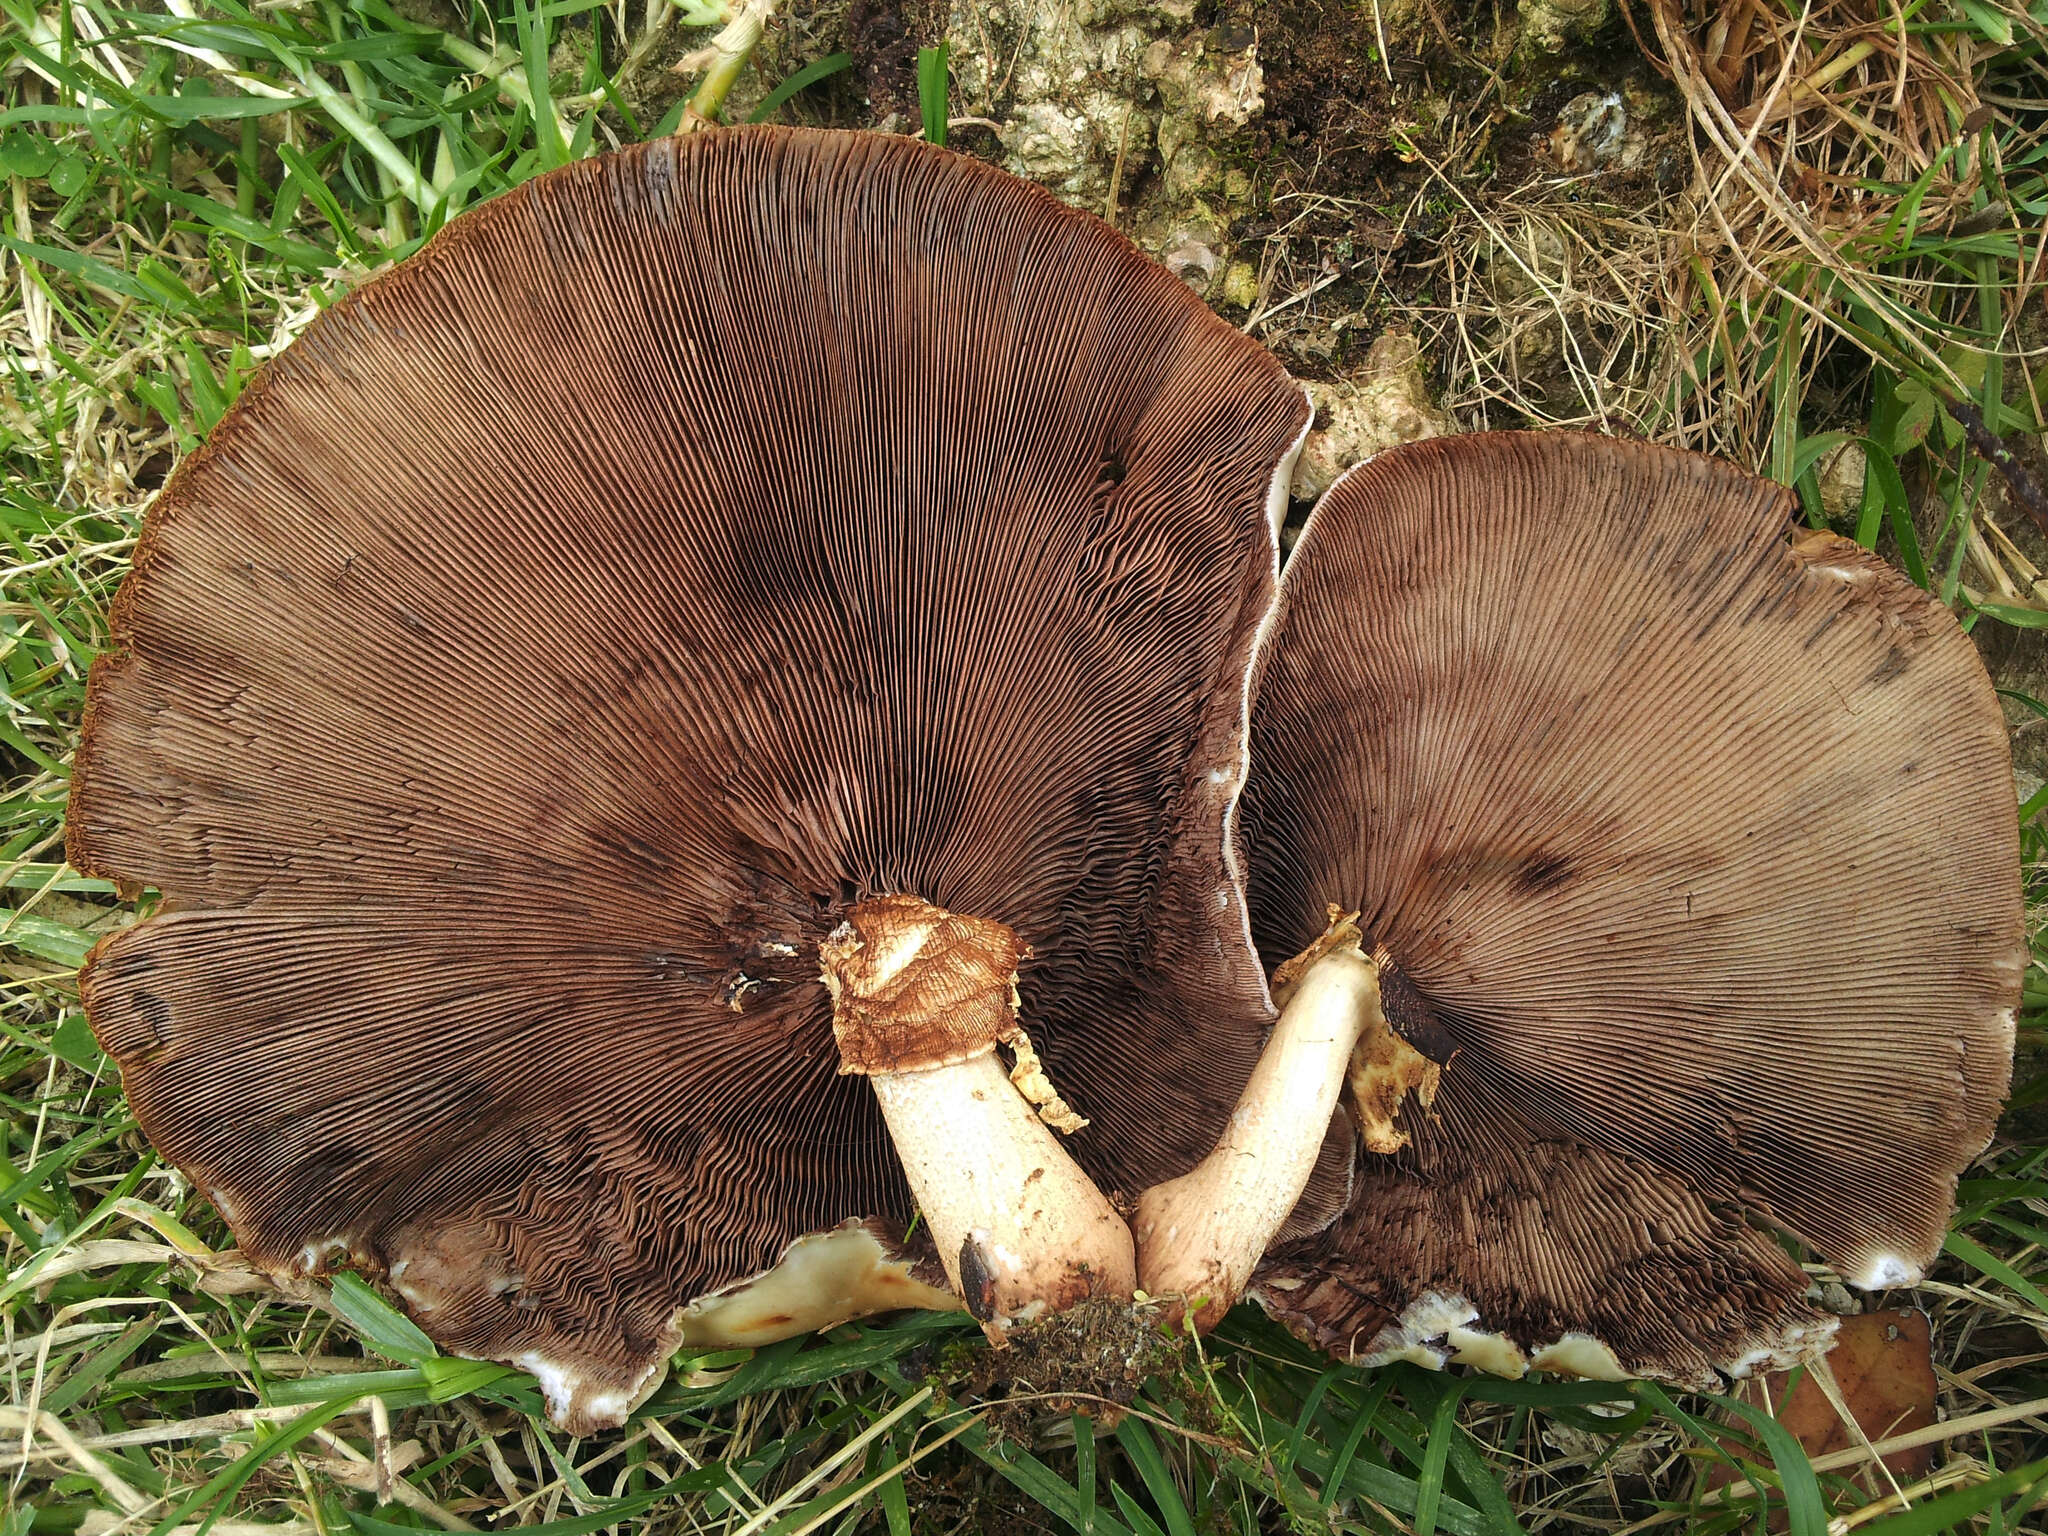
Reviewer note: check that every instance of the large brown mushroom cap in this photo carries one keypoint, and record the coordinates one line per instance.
(1694, 856)
(559, 637)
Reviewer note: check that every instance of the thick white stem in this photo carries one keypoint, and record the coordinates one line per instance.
(1200, 1235)
(1020, 1228)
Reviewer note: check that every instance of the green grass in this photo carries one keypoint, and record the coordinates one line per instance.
(183, 194)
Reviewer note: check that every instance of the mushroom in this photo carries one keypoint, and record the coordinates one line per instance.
(729, 617)
(1646, 883)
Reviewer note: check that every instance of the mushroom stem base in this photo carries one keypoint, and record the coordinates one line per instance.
(1200, 1235)
(1021, 1229)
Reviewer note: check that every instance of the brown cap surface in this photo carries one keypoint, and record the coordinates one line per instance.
(1698, 848)
(559, 638)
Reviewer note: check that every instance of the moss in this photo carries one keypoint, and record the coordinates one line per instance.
(1551, 26)
(1241, 285)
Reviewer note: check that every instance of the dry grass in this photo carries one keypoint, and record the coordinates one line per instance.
(1784, 226)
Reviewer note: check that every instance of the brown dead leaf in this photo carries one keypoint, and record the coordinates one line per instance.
(1884, 1369)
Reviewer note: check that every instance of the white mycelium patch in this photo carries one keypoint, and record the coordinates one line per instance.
(569, 1399)
(1884, 1271)
(1436, 1331)
(1433, 1332)
(1841, 573)
(416, 1298)
(325, 1251)
(1792, 1347)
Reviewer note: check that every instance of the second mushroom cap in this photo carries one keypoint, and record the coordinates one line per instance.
(1665, 872)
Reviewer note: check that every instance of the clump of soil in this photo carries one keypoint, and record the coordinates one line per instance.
(1095, 1357)
(884, 36)
(1325, 98)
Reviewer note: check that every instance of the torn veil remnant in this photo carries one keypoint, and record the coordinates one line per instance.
(1688, 858)
(713, 574)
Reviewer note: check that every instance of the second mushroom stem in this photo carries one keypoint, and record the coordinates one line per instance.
(1200, 1235)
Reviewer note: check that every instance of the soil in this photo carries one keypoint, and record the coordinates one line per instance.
(1366, 167)
(1094, 1357)
(884, 36)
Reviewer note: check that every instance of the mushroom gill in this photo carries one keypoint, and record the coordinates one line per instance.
(1680, 854)
(585, 622)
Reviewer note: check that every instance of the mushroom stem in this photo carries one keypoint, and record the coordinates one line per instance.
(1020, 1228)
(1200, 1235)
(920, 998)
